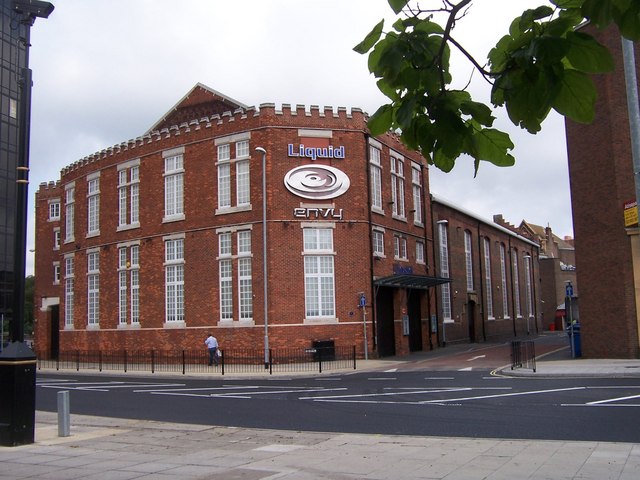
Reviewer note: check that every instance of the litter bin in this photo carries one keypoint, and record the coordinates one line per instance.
(325, 350)
(573, 331)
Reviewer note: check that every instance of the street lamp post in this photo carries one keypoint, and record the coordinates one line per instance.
(264, 256)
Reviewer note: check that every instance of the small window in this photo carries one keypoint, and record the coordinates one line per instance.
(54, 210)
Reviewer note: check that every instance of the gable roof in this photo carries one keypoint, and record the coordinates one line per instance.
(200, 101)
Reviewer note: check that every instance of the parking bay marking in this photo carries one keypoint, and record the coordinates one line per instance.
(103, 386)
(239, 391)
(358, 398)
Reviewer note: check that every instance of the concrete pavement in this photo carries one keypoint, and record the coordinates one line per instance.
(108, 448)
(105, 448)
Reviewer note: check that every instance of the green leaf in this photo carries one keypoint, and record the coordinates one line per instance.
(380, 122)
(371, 39)
(405, 112)
(492, 146)
(398, 5)
(443, 161)
(429, 27)
(587, 55)
(549, 50)
(577, 97)
(480, 112)
(387, 90)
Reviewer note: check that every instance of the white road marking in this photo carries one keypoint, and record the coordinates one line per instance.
(514, 394)
(250, 394)
(476, 358)
(379, 394)
(610, 400)
(468, 369)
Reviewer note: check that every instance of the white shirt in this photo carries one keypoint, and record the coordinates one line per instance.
(211, 342)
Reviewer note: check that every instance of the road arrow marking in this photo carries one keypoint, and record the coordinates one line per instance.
(476, 358)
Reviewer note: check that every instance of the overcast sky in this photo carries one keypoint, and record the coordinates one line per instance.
(104, 71)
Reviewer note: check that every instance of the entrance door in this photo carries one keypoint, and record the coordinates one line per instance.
(384, 322)
(54, 318)
(415, 321)
(471, 306)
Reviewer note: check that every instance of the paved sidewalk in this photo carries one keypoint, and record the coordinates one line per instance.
(102, 448)
(579, 367)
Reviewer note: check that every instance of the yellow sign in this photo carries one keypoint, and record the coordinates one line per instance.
(631, 214)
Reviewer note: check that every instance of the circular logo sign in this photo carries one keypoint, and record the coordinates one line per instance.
(316, 182)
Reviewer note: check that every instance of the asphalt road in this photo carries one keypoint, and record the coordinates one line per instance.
(409, 401)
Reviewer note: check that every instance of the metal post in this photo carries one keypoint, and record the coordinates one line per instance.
(364, 322)
(264, 255)
(64, 423)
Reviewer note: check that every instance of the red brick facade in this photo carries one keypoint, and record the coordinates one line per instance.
(349, 216)
(498, 257)
(602, 180)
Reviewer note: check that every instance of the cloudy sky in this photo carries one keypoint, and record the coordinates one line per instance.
(105, 71)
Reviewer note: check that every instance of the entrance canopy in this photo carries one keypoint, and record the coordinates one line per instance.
(422, 282)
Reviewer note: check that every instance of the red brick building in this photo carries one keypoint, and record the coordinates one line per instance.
(607, 249)
(157, 241)
(495, 288)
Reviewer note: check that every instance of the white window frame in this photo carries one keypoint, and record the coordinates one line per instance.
(397, 185)
(225, 278)
(377, 238)
(375, 165)
(468, 260)
(224, 176)
(445, 288)
(129, 195)
(503, 282)
(93, 205)
(516, 283)
(173, 185)
(54, 210)
(528, 285)
(93, 288)
(319, 273)
(69, 210)
(416, 183)
(420, 251)
(56, 238)
(69, 277)
(243, 186)
(174, 280)
(486, 243)
(245, 276)
(399, 248)
(56, 273)
(128, 284)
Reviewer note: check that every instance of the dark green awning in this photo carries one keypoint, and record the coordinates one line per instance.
(423, 282)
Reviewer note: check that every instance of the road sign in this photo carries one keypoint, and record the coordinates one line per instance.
(363, 300)
(569, 290)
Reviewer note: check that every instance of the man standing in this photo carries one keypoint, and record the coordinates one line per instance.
(212, 344)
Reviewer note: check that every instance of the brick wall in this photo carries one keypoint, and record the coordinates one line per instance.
(601, 177)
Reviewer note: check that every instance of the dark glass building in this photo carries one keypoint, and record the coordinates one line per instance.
(13, 56)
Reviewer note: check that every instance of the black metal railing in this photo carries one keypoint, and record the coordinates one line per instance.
(523, 355)
(196, 361)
